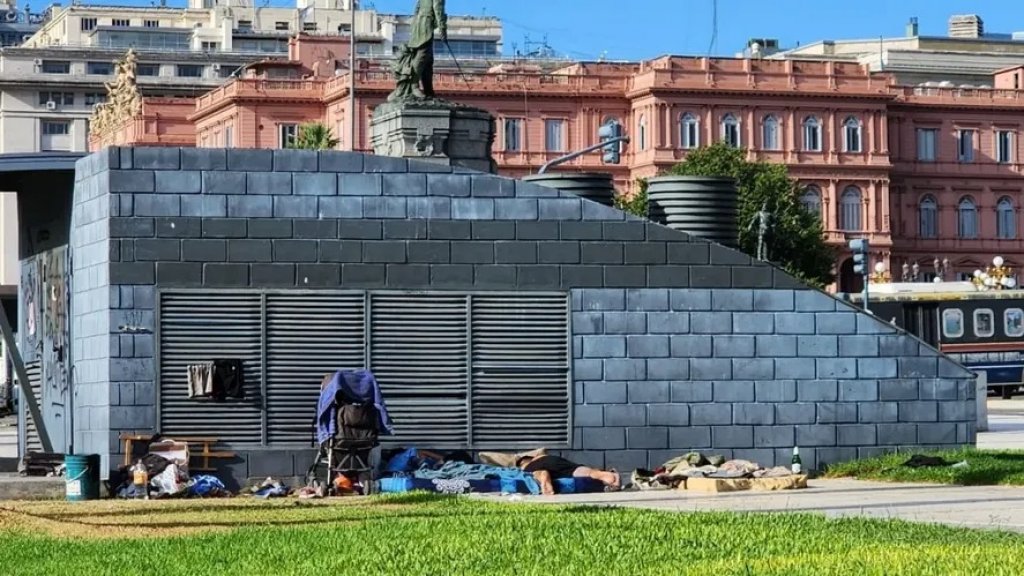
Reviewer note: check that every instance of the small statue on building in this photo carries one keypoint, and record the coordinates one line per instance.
(123, 98)
(762, 219)
(414, 68)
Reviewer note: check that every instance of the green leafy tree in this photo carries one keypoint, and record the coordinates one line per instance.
(795, 240)
(635, 203)
(314, 136)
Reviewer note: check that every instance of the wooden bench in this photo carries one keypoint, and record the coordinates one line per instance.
(206, 453)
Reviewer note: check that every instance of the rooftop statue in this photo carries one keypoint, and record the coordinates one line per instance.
(414, 68)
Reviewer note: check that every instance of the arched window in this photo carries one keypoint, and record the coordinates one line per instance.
(811, 200)
(689, 131)
(731, 130)
(852, 129)
(850, 210)
(642, 132)
(967, 217)
(812, 134)
(1006, 219)
(929, 214)
(771, 133)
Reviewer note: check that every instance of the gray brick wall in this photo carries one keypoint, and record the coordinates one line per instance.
(679, 344)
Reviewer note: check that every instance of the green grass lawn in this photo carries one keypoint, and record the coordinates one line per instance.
(984, 468)
(418, 535)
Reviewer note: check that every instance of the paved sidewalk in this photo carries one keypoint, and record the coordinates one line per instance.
(1005, 426)
(969, 507)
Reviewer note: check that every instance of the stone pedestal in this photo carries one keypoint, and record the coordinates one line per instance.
(434, 131)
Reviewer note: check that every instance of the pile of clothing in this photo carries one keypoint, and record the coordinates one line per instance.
(168, 478)
(696, 465)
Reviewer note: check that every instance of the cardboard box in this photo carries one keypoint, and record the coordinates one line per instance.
(717, 485)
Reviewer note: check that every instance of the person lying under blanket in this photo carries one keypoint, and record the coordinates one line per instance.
(547, 468)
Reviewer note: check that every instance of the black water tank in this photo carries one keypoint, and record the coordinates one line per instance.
(699, 205)
(594, 186)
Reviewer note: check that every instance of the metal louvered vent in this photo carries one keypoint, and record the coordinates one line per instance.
(419, 353)
(35, 378)
(308, 336)
(202, 327)
(521, 386)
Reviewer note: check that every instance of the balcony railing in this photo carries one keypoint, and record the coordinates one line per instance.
(555, 83)
(258, 87)
(937, 94)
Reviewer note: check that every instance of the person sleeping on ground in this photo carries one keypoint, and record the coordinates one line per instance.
(547, 468)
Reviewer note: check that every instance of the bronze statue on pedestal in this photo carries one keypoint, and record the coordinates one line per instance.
(414, 68)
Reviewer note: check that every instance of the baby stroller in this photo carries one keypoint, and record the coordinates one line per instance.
(351, 416)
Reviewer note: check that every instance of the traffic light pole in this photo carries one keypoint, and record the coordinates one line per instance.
(574, 155)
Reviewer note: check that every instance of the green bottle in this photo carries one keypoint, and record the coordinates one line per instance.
(798, 465)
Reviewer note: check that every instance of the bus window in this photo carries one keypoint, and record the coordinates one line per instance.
(984, 323)
(952, 323)
(1013, 320)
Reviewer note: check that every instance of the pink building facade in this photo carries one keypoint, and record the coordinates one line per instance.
(923, 173)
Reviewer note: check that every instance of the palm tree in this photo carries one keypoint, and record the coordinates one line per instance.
(314, 136)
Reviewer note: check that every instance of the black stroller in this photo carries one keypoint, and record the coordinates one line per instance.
(343, 457)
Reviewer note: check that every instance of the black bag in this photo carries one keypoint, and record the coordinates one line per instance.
(357, 422)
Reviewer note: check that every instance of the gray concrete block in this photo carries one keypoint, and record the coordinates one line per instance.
(712, 323)
(515, 252)
(753, 368)
(878, 412)
(795, 368)
(948, 369)
(601, 253)
(858, 390)
(292, 160)
(729, 346)
(957, 411)
(668, 369)
(941, 434)
(648, 391)
(692, 391)
(937, 389)
(484, 230)
(408, 276)
(623, 460)
(647, 300)
(686, 345)
(794, 323)
(494, 277)
(858, 346)
(488, 186)
(898, 346)
(711, 369)
(171, 227)
(604, 347)
(363, 275)
(270, 228)
(831, 456)
(876, 367)
(774, 437)
(178, 182)
(587, 323)
(816, 435)
(898, 390)
(606, 438)
(918, 367)
(249, 160)
(339, 207)
(538, 277)
(205, 206)
(625, 415)
(625, 276)
(429, 208)
(652, 253)
(813, 301)
(691, 300)
(624, 231)
(250, 206)
(689, 438)
(648, 346)
(837, 413)
(204, 159)
(626, 369)
(732, 300)
(604, 392)
(817, 391)
(582, 277)
(157, 159)
(588, 416)
(308, 184)
(775, 346)
(295, 207)
(755, 414)
(672, 415)
(472, 252)
(240, 250)
(688, 253)
(130, 181)
(647, 437)
(157, 205)
(921, 411)
(559, 253)
(385, 207)
(224, 228)
(817, 346)
(775, 391)
(625, 322)
(298, 250)
(573, 230)
(226, 275)
(204, 250)
(734, 391)
(360, 184)
(753, 323)
(559, 209)
(713, 414)
(272, 275)
(336, 161)
(155, 249)
(773, 300)
(732, 436)
(796, 413)
(184, 274)
(871, 325)
(594, 211)
(473, 208)
(839, 368)
(897, 434)
(841, 323)
(317, 276)
(315, 229)
(603, 299)
(373, 163)
(588, 369)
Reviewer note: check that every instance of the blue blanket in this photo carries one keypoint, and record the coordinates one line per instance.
(356, 386)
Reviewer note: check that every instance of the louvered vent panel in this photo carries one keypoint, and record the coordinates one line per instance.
(521, 384)
(35, 378)
(201, 327)
(308, 336)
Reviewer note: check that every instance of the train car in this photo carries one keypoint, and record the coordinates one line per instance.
(983, 330)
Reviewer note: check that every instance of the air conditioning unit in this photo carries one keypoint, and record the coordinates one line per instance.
(51, 105)
(38, 62)
(216, 67)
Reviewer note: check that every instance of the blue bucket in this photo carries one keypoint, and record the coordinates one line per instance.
(82, 477)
